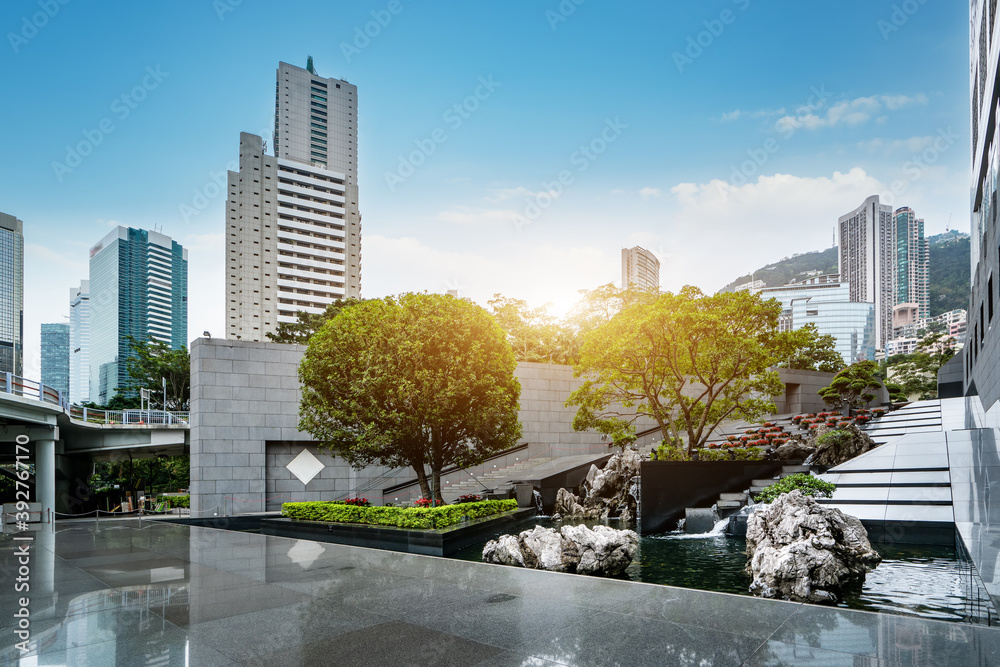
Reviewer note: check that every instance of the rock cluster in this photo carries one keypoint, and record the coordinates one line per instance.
(599, 550)
(606, 493)
(803, 551)
(838, 450)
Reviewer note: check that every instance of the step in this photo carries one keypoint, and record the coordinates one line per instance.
(791, 470)
(728, 504)
(740, 497)
(763, 482)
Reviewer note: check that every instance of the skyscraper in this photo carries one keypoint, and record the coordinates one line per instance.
(982, 346)
(138, 288)
(293, 225)
(912, 262)
(55, 357)
(640, 268)
(11, 295)
(868, 260)
(79, 342)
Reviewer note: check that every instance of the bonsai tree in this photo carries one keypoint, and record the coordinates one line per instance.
(851, 386)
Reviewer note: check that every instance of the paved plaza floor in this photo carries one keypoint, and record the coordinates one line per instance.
(153, 593)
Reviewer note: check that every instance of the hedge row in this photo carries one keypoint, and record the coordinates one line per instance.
(401, 517)
(178, 501)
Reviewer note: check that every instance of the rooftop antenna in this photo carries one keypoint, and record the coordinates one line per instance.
(309, 65)
(947, 228)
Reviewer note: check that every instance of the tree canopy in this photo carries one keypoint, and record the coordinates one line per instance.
(852, 386)
(150, 363)
(533, 333)
(810, 351)
(686, 360)
(421, 380)
(308, 324)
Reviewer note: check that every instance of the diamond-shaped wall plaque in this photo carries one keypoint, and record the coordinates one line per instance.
(305, 466)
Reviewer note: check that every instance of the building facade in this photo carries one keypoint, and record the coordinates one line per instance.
(55, 358)
(826, 302)
(867, 260)
(982, 348)
(912, 262)
(11, 295)
(138, 288)
(640, 269)
(79, 342)
(293, 223)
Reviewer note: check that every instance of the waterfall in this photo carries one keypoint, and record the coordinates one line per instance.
(718, 530)
(539, 509)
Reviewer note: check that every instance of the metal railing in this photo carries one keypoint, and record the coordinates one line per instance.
(19, 386)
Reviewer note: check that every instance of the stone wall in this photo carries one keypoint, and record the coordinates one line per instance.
(244, 416)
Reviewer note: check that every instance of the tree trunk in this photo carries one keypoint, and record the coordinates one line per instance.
(425, 491)
(436, 483)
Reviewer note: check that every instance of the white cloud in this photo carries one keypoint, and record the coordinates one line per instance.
(889, 146)
(469, 215)
(737, 114)
(847, 112)
(520, 192)
(648, 192)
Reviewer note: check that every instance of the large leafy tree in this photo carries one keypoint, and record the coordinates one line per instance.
(687, 360)
(533, 333)
(853, 386)
(808, 350)
(152, 361)
(422, 380)
(307, 324)
(917, 373)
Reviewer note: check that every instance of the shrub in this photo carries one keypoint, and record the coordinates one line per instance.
(179, 501)
(402, 517)
(804, 482)
(667, 453)
(468, 498)
(837, 437)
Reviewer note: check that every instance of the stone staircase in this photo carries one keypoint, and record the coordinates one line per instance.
(496, 480)
(730, 503)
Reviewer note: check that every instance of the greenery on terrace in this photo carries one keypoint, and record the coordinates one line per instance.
(401, 517)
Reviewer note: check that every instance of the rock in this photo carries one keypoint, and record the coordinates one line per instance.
(803, 551)
(599, 551)
(606, 493)
(700, 520)
(504, 550)
(794, 449)
(838, 450)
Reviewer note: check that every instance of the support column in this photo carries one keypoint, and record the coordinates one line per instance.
(45, 476)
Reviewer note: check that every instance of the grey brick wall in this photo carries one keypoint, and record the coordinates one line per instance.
(245, 408)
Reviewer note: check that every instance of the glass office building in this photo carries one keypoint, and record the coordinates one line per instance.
(11, 295)
(138, 288)
(55, 357)
(826, 302)
(79, 342)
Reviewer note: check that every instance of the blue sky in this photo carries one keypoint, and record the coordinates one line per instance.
(722, 135)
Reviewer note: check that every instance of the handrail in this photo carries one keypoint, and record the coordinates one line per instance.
(456, 468)
(19, 386)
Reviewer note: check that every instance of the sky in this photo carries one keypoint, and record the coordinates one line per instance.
(722, 135)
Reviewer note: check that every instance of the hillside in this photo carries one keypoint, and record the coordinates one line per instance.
(949, 270)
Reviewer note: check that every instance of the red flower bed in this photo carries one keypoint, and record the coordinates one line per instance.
(360, 502)
(426, 502)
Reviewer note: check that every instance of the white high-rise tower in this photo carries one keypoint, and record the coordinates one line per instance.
(868, 260)
(293, 224)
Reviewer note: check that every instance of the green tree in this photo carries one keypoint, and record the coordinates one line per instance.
(308, 324)
(686, 360)
(149, 364)
(917, 373)
(422, 380)
(533, 333)
(851, 386)
(810, 351)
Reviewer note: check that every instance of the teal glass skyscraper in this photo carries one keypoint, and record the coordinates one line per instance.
(138, 288)
(55, 357)
(11, 295)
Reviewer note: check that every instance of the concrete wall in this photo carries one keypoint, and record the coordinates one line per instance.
(244, 416)
(801, 391)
